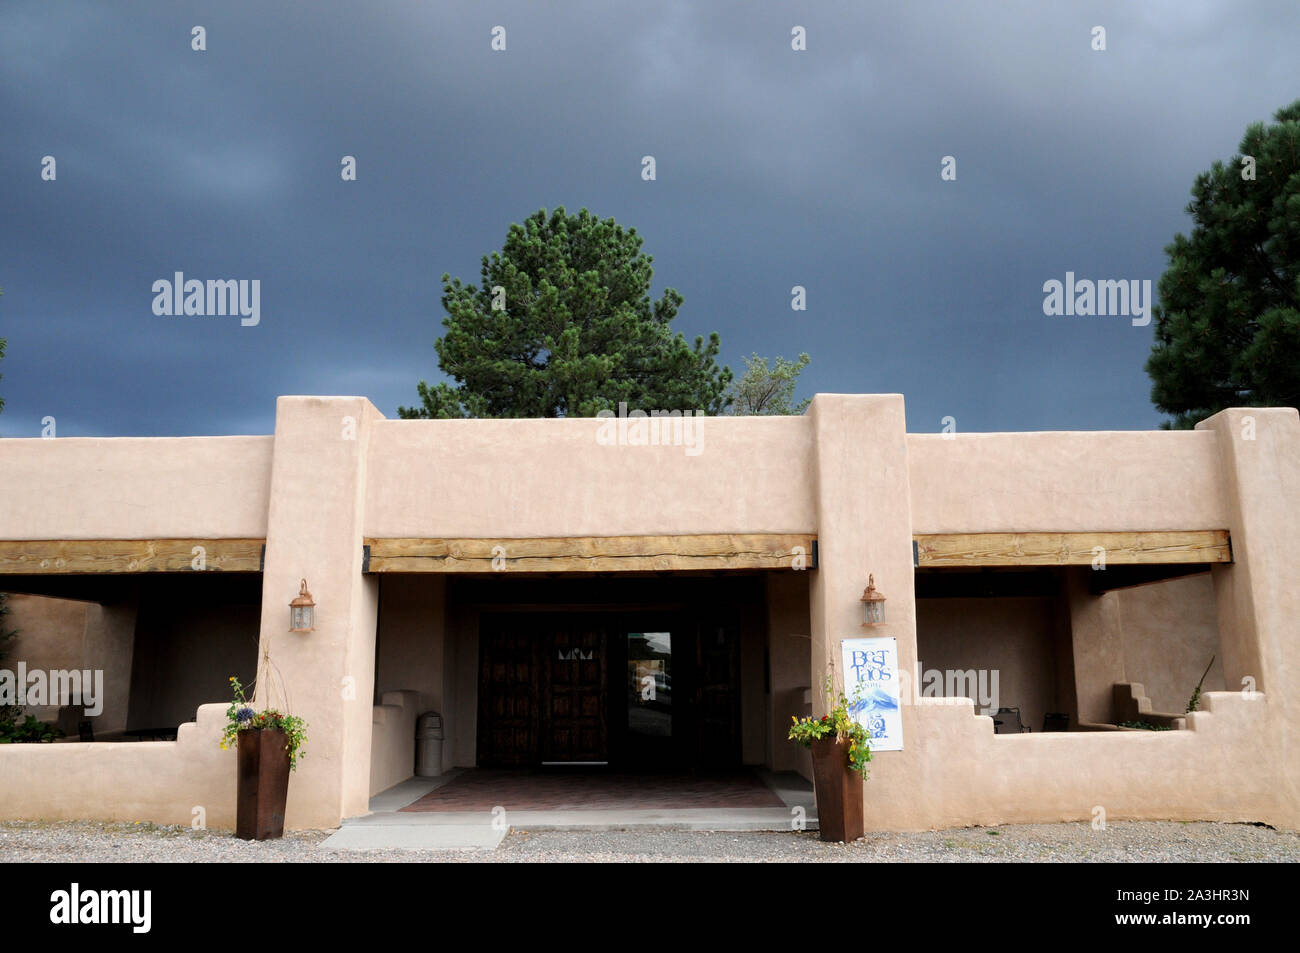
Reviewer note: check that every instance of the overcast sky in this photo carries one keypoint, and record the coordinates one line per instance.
(774, 168)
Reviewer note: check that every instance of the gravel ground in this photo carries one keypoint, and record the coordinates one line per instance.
(1127, 842)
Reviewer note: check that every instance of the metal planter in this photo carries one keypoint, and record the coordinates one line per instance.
(839, 791)
(263, 789)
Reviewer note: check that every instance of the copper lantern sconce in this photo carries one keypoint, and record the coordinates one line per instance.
(302, 611)
(873, 604)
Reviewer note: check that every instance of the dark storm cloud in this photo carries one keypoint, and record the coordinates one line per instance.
(775, 168)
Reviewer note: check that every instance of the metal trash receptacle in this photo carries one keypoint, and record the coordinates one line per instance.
(428, 745)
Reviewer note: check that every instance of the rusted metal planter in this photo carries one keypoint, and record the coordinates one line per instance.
(263, 788)
(839, 791)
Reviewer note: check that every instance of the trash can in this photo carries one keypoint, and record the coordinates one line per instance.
(428, 745)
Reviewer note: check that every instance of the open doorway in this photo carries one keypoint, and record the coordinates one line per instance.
(648, 690)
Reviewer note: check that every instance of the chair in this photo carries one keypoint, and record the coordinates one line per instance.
(1056, 721)
(1006, 721)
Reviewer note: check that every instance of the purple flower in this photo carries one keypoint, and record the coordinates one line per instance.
(243, 715)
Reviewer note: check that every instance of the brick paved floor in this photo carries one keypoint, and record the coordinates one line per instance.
(533, 789)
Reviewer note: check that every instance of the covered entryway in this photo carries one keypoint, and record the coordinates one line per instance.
(645, 690)
(594, 701)
(593, 658)
(688, 672)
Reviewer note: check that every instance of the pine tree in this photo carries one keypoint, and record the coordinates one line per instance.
(562, 325)
(1227, 329)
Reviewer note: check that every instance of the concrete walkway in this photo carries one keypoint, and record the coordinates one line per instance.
(387, 827)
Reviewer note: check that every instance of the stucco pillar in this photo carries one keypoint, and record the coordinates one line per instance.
(109, 643)
(864, 526)
(1096, 645)
(314, 531)
(1258, 601)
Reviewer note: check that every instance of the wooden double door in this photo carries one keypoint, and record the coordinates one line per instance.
(629, 690)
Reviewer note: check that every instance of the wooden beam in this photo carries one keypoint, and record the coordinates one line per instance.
(593, 553)
(79, 556)
(1072, 549)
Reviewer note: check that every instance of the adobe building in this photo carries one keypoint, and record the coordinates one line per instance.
(520, 576)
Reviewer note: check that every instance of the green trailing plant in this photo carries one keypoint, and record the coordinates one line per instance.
(240, 716)
(1145, 726)
(1194, 703)
(28, 731)
(838, 723)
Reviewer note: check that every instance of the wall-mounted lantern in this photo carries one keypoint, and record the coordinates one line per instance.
(302, 611)
(873, 604)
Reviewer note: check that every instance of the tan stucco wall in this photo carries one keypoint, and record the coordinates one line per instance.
(318, 483)
(336, 471)
(514, 478)
(68, 634)
(967, 775)
(159, 781)
(1013, 637)
(408, 671)
(135, 487)
(1097, 646)
(392, 744)
(1065, 482)
(110, 637)
(1170, 633)
(861, 466)
(411, 631)
(51, 635)
(1256, 598)
(51, 632)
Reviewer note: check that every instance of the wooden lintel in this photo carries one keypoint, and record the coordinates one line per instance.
(1072, 549)
(593, 553)
(81, 556)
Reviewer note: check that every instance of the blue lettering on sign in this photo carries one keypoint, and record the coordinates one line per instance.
(870, 666)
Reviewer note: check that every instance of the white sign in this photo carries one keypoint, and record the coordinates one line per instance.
(871, 684)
